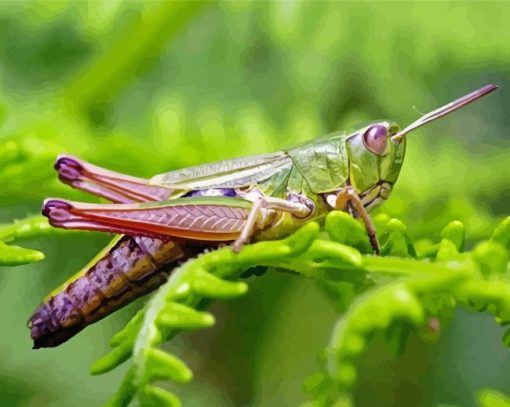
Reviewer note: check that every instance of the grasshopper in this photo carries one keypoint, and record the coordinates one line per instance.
(177, 215)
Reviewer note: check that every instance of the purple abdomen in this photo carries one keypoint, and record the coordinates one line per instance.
(134, 266)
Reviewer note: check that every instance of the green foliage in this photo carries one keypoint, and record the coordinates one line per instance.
(421, 296)
(171, 310)
(15, 255)
(23, 229)
(32, 227)
(150, 31)
(398, 294)
(492, 398)
(136, 86)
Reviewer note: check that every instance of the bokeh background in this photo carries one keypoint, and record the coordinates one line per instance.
(145, 87)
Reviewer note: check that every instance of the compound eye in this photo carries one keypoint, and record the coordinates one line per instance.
(376, 139)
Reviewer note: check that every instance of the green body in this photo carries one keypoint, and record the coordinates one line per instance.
(320, 167)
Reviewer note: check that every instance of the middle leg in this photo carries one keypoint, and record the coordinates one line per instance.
(259, 214)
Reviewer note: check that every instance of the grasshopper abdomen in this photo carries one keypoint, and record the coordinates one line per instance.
(130, 268)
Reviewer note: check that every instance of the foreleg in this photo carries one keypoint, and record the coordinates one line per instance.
(348, 195)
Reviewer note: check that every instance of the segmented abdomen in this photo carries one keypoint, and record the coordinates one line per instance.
(125, 271)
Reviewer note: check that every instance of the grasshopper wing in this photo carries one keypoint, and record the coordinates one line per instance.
(233, 173)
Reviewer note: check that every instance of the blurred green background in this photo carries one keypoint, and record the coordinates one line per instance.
(145, 87)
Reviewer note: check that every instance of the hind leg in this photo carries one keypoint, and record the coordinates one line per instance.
(114, 186)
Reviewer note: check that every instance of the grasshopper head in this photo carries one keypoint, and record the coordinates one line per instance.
(374, 159)
(376, 152)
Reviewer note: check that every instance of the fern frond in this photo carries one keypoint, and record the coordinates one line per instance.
(15, 255)
(22, 229)
(28, 228)
(419, 292)
(402, 293)
(173, 309)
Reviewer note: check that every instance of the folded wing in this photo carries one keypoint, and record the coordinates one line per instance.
(233, 173)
